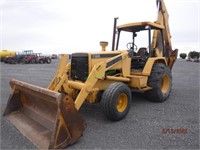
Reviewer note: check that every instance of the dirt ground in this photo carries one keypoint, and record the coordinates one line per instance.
(148, 125)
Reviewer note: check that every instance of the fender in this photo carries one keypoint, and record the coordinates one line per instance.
(150, 62)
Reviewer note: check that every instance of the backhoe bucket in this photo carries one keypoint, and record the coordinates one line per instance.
(47, 118)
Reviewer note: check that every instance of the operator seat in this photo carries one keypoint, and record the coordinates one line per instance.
(142, 52)
(139, 59)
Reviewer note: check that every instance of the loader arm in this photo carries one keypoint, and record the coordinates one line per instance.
(98, 73)
(61, 74)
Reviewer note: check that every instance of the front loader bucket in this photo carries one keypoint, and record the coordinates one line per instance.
(47, 118)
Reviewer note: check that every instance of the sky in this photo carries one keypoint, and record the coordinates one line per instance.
(67, 26)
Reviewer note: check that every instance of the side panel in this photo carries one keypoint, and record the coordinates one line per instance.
(102, 57)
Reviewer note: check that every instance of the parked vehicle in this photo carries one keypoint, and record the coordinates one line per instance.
(54, 56)
(44, 59)
(30, 59)
(18, 58)
(6, 53)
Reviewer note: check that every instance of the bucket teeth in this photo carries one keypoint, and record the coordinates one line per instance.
(48, 119)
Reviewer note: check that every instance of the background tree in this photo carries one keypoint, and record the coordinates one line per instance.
(193, 55)
(183, 55)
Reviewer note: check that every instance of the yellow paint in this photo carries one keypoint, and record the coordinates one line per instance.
(5, 53)
(122, 102)
(165, 83)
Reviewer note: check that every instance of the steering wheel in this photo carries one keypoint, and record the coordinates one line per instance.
(132, 46)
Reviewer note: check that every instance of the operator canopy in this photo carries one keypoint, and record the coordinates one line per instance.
(138, 26)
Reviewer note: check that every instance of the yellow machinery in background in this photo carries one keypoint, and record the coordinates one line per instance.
(49, 117)
(5, 53)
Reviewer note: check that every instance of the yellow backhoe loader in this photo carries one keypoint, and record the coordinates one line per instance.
(49, 117)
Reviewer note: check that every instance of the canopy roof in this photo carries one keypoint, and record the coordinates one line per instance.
(137, 26)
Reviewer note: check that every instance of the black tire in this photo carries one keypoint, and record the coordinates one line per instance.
(33, 61)
(48, 60)
(37, 61)
(13, 62)
(161, 82)
(3, 59)
(113, 104)
(23, 62)
(41, 61)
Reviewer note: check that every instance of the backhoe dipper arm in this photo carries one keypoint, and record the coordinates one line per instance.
(162, 19)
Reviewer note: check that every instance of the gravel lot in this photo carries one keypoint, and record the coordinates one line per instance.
(144, 126)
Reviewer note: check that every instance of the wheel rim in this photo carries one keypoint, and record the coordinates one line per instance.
(165, 83)
(122, 102)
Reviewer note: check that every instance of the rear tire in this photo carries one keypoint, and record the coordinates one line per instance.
(41, 61)
(33, 61)
(23, 62)
(48, 60)
(161, 82)
(116, 101)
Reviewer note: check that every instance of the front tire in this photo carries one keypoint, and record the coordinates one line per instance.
(116, 101)
(161, 82)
